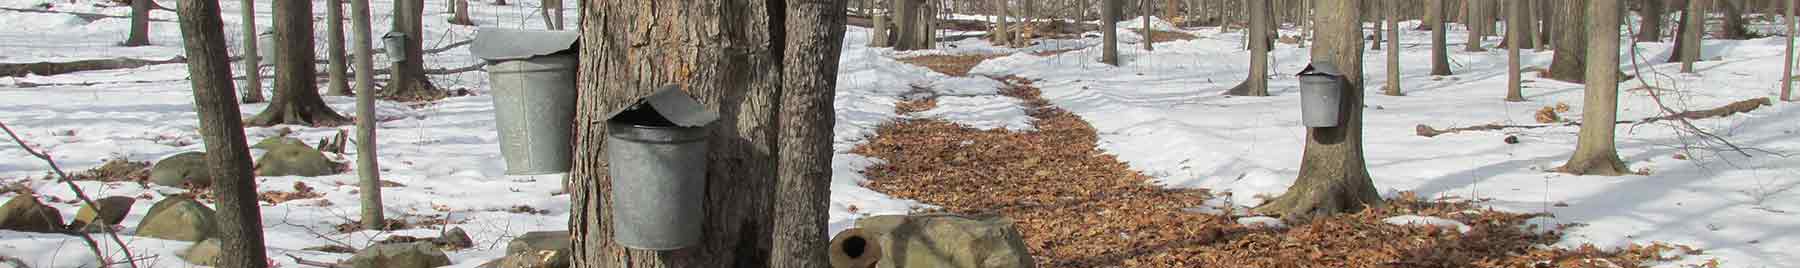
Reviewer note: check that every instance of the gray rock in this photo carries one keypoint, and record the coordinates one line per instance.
(24, 213)
(182, 169)
(293, 159)
(111, 211)
(944, 240)
(542, 249)
(178, 218)
(403, 255)
(276, 141)
(456, 238)
(205, 253)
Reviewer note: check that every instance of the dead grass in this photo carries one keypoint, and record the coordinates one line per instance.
(1159, 36)
(1080, 207)
(953, 65)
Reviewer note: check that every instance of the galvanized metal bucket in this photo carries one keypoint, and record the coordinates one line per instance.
(656, 153)
(534, 96)
(1321, 92)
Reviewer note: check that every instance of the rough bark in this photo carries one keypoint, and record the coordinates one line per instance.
(881, 31)
(459, 10)
(227, 156)
(1149, 43)
(553, 14)
(252, 86)
(1258, 82)
(906, 21)
(408, 79)
(719, 51)
(1002, 32)
(1650, 28)
(1379, 20)
(368, 171)
(1516, 25)
(1734, 20)
(1693, 30)
(1476, 24)
(1333, 176)
(1787, 69)
(1594, 152)
(809, 77)
(1569, 63)
(140, 24)
(1109, 29)
(1393, 53)
(334, 49)
(1546, 24)
(1440, 54)
(297, 98)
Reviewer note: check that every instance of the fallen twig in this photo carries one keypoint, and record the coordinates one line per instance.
(306, 262)
(1742, 106)
(95, 246)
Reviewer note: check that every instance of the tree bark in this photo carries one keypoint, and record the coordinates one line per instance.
(252, 87)
(1546, 24)
(1440, 54)
(1650, 28)
(722, 53)
(408, 78)
(297, 98)
(1002, 32)
(1787, 69)
(368, 171)
(881, 32)
(1693, 30)
(1734, 20)
(1476, 24)
(1258, 82)
(227, 156)
(1333, 176)
(1149, 40)
(1516, 25)
(1378, 20)
(1306, 27)
(459, 10)
(906, 20)
(1594, 152)
(1569, 63)
(803, 187)
(334, 49)
(553, 17)
(140, 24)
(1393, 53)
(1109, 29)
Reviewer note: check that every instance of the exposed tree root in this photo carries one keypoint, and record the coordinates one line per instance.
(314, 114)
(1737, 107)
(1323, 195)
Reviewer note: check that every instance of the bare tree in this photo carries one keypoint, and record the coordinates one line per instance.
(1650, 28)
(368, 171)
(1476, 24)
(906, 21)
(408, 81)
(1516, 25)
(1149, 40)
(1109, 29)
(730, 73)
(1393, 53)
(1377, 20)
(553, 14)
(1693, 29)
(1002, 32)
(297, 98)
(227, 155)
(459, 10)
(1787, 69)
(1594, 150)
(140, 24)
(1258, 82)
(1569, 63)
(334, 49)
(1440, 54)
(1333, 176)
(1734, 20)
(252, 63)
(815, 36)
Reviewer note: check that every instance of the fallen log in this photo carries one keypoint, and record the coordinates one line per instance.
(89, 17)
(1737, 107)
(56, 68)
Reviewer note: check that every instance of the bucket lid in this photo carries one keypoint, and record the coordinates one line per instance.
(494, 43)
(1320, 68)
(668, 106)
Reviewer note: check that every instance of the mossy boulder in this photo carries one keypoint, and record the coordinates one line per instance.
(24, 213)
(400, 255)
(110, 211)
(181, 170)
(293, 159)
(946, 240)
(178, 218)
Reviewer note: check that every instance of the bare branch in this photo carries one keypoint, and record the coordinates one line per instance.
(95, 246)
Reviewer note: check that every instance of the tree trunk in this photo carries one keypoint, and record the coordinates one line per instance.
(368, 171)
(1734, 20)
(1306, 27)
(1170, 7)
(1787, 69)
(459, 10)
(1002, 31)
(1029, 8)
(408, 81)
(1529, 28)
(1650, 28)
(334, 49)
(1393, 53)
(1516, 25)
(1149, 40)
(1377, 20)
(1546, 24)
(928, 11)
(809, 77)
(227, 156)
(252, 87)
(730, 72)
(906, 20)
(553, 17)
(1109, 29)
(1476, 24)
(1258, 82)
(1333, 176)
(1693, 29)
(1569, 63)
(296, 90)
(1594, 152)
(881, 31)
(140, 24)
(1440, 54)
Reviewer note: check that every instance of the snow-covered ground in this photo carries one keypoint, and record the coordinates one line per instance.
(1160, 112)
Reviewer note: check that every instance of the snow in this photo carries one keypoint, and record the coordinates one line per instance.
(1160, 112)
(1416, 220)
(1262, 221)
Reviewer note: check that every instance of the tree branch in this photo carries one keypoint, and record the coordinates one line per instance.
(95, 246)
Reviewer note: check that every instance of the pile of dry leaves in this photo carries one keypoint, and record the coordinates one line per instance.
(953, 65)
(1080, 207)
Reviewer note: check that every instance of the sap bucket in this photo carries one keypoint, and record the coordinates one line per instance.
(656, 151)
(1321, 90)
(532, 75)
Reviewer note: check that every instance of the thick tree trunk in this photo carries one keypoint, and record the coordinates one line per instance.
(1476, 24)
(296, 90)
(880, 32)
(227, 156)
(1734, 20)
(1393, 53)
(928, 11)
(140, 24)
(1002, 31)
(906, 21)
(1650, 28)
(1547, 23)
(553, 14)
(1378, 20)
(809, 77)
(1109, 29)
(1569, 63)
(1306, 25)
(459, 10)
(1440, 54)
(1149, 42)
(408, 81)
(1529, 28)
(368, 171)
(1594, 152)
(252, 86)
(1258, 82)
(1693, 30)
(730, 71)
(1333, 176)
(1787, 69)
(334, 49)
(1516, 30)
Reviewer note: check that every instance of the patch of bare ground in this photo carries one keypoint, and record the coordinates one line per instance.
(1080, 207)
(953, 65)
